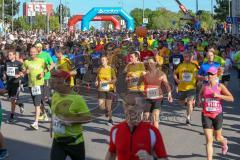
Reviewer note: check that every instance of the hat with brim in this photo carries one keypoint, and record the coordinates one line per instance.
(213, 70)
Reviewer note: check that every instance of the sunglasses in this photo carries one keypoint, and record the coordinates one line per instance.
(210, 74)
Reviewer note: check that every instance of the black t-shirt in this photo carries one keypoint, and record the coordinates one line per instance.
(12, 69)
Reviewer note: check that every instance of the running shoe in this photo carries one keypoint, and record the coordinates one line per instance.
(3, 154)
(110, 122)
(188, 122)
(43, 118)
(21, 106)
(11, 120)
(34, 126)
(225, 147)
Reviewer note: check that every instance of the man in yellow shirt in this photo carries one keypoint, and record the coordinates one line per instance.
(185, 77)
(134, 70)
(163, 58)
(105, 81)
(64, 64)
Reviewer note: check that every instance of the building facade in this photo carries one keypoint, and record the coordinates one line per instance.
(236, 13)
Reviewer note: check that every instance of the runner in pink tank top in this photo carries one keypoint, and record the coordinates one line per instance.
(212, 106)
(210, 97)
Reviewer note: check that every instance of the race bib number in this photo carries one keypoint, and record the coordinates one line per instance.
(133, 82)
(153, 93)
(11, 71)
(187, 77)
(58, 126)
(212, 105)
(104, 87)
(36, 90)
(176, 61)
(83, 70)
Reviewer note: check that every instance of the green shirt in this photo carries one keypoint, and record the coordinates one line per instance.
(69, 106)
(205, 43)
(34, 68)
(155, 44)
(217, 59)
(237, 59)
(186, 41)
(48, 60)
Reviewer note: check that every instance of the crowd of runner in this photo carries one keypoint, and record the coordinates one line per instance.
(192, 67)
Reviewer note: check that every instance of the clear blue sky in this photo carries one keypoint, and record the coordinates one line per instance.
(83, 6)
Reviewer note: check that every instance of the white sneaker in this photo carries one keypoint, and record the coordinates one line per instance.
(34, 126)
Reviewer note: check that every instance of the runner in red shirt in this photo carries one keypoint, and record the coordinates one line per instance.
(145, 53)
(134, 139)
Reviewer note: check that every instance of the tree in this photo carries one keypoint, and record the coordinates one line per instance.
(8, 8)
(206, 19)
(39, 22)
(66, 12)
(22, 23)
(221, 10)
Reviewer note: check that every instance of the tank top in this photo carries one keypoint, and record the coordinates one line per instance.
(152, 87)
(211, 106)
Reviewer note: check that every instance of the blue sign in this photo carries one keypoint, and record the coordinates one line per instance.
(233, 20)
(107, 11)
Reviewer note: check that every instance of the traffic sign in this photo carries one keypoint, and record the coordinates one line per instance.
(233, 20)
(145, 20)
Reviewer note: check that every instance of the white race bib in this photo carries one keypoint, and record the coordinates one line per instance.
(11, 71)
(153, 93)
(58, 126)
(83, 70)
(104, 87)
(212, 105)
(187, 77)
(176, 61)
(36, 90)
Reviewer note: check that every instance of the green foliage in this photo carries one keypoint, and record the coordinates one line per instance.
(207, 20)
(66, 11)
(221, 10)
(38, 22)
(8, 8)
(165, 19)
(21, 23)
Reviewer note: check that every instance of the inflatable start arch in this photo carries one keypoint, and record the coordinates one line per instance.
(74, 19)
(107, 11)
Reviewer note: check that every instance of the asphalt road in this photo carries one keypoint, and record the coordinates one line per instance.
(182, 142)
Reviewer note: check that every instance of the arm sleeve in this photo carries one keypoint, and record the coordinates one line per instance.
(159, 147)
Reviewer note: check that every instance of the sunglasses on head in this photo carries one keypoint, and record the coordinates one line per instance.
(210, 74)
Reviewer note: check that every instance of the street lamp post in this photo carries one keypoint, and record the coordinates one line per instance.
(3, 16)
(60, 10)
(143, 8)
(229, 14)
(12, 16)
(196, 6)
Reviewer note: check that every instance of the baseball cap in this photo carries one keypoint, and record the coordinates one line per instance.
(213, 70)
(38, 45)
